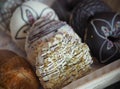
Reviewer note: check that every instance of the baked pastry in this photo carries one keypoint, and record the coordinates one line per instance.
(57, 53)
(15, 72)
(23, 18)
(83, 12)
(7, 7)
(103, 36)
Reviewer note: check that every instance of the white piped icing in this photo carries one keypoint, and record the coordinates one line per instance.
(59, 56)
(25, 16)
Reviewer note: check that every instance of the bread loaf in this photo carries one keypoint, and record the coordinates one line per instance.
(15, 72)
(57, 53)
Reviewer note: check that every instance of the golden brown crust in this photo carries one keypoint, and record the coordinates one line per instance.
(15, 72)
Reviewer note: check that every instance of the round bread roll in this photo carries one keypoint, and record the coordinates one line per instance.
(57, 53)
(7, 7)
(23, 18)
(103, 36)
(82, 13)
(15, 72)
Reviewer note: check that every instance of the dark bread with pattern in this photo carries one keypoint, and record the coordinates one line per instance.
(83, 12)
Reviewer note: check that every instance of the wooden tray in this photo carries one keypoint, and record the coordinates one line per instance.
(98, 79)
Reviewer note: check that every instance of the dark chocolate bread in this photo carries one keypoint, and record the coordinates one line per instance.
(83, 12)
(103, 36)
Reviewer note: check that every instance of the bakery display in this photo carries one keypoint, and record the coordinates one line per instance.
(103, 36)
(83, 12)
(57, 53)
(15, 72)
(23, 18)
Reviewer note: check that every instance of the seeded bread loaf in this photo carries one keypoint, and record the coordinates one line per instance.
(57, 53)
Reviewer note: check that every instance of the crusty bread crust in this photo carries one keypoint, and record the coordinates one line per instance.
(15, 72)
